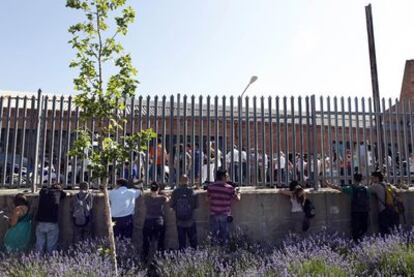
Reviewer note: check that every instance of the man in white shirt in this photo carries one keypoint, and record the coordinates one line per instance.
(122, 202)
(244, 163)
(236, 164)
(282, 168)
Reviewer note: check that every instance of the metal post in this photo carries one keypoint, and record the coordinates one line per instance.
(193, 148)
(52, 141)
(155, 141)
(315, 145)
(248, 157)
(271, 163)
(286, 129)
(163, 139)
(293, 128)
(278, 147)
(15, 133)
(374, 79)
(201, 140)
(322, 134)
(264, 158)
(23, 143)
(60, 140)
(36, 143)
(330, 142)
(6, 140)
(68, 139)
(255, 166)
(131, 132)
(240, 141)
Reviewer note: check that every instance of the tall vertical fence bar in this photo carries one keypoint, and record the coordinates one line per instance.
(266, 141)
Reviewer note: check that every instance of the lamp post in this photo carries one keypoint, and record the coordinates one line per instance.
(238, 124)
(252, 80)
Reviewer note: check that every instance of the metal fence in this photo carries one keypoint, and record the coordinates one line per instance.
(261, 141)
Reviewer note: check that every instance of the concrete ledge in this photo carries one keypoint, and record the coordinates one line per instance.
(262, 214)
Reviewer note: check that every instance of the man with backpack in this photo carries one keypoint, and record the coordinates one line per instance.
(388, 203)
(359, 205)
(82, 204)
(184, 201)
(47, 229)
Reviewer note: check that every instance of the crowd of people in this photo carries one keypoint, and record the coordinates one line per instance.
(184, 201)
(123, 198)
(254, 166)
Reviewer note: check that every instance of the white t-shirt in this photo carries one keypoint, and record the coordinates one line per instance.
(244, 156)
(235, 155)
(123, 201)
(296, 206)
(411, 164)
(282, 162)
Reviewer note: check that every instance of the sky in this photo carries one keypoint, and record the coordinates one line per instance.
(296, 47)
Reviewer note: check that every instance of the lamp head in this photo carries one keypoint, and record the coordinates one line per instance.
(253, 79)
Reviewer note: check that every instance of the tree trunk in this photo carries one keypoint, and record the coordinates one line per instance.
(108, 222)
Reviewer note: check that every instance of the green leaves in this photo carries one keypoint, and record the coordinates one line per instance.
(122, 22)
(106, 78)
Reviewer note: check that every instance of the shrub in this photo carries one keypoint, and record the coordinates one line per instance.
(323, 254)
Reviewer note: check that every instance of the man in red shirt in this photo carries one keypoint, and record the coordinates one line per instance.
(220, 195)
(156, 156)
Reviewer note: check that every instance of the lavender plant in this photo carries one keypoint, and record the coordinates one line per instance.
(322, 254)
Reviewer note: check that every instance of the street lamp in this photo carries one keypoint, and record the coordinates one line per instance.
(252, 80)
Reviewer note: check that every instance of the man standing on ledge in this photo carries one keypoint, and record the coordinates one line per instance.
(220, 195)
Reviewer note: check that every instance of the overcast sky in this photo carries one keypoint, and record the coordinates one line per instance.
(297, 47)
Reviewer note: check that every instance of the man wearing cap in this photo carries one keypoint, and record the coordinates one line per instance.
(122, 201)
(387, 218)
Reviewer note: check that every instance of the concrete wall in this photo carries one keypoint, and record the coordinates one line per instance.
(262, 214)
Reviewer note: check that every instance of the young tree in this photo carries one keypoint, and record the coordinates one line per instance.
(106, 80)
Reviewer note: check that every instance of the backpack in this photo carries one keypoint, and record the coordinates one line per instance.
(309, 209)
(82, 207)
(184, 206)
(360, 199)
(17, 238)
(392, 201)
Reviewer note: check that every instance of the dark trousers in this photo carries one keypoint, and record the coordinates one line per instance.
(123, 226)
(82, 233)
(280, 172)
(183, 233)
(244, 172)
(235, 170)
(359, 224)
(387, 220)
(154, 229)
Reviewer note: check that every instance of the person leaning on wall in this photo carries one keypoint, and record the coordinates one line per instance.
(17, 237)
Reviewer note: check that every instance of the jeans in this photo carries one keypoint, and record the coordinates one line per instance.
(183, 232)
(123, 226)
(219, 227)
(47, 234)
(154, 229)
(235, 170)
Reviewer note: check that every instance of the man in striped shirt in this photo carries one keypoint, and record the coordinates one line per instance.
(220, 195)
